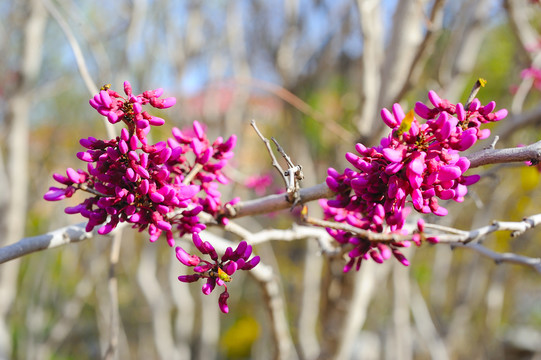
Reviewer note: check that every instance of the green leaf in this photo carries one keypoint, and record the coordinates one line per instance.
(406, 123)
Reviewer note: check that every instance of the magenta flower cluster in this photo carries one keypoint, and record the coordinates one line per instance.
(416, 164)
(141, 183)
(218, 271)
(159, 187)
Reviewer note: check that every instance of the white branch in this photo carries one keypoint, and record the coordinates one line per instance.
(59, 237)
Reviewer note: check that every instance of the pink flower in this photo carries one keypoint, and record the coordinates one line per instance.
(218, 271)
(141, 183)
(417, 163)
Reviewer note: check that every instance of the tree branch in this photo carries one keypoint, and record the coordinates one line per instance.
(267, 204)
(59, 237)
(499, 258)
(277, 202)
(497, 156)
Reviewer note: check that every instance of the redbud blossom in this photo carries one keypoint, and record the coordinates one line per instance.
(155, 187)
(219, 270)
(141, 183)
(417, 163)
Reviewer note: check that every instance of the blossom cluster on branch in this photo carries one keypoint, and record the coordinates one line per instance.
(159, 187)
(163, 187)
(219, 271)
(417, 164)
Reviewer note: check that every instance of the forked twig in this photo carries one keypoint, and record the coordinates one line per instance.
(275, 162)
(292, 176)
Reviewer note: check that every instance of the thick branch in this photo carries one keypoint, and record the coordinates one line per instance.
(277, 202)
(498, 156)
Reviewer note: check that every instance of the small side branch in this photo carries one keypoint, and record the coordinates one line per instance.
(292, 176)
(443, 233)
(455, 237)
(275, 162)
(499, 258)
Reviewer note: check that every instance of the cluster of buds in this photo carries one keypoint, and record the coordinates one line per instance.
(159, 187)
(208, 158)
(218, 271)
(417, 164)
(129, 109)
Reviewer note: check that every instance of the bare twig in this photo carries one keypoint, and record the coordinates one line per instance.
(494, 142)
(275, 162)
(499, 258)
(283, 153)
(516, 228)
(292, 175)
(451, 235)
(365, 234)
(456, 238)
